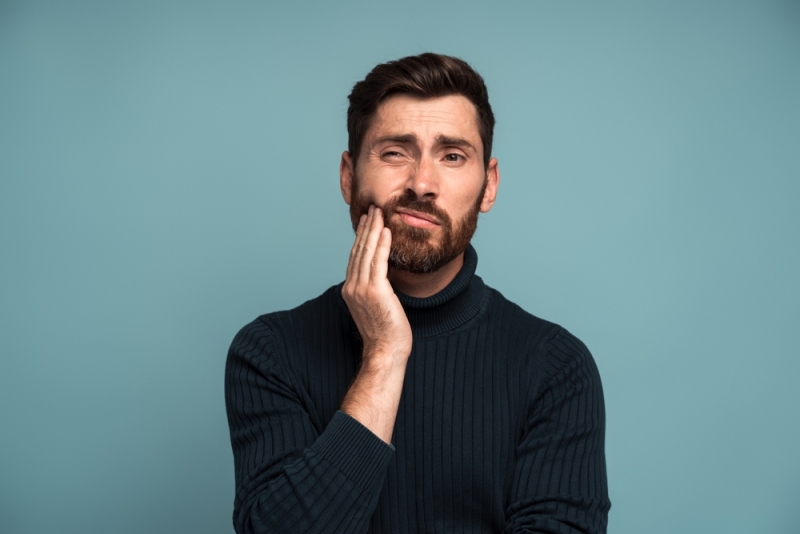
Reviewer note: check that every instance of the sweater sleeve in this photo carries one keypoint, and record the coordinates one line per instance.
(289, 476)
(560, 484)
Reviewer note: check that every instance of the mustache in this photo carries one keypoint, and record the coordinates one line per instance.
(410, 201)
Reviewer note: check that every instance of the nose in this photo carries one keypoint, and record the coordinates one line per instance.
(423, 180)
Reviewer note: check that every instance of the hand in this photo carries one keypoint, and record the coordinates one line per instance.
(369, 296)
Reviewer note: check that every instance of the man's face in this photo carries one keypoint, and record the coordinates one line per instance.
(421, 161)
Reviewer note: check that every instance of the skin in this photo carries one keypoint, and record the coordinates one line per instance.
(432, 148)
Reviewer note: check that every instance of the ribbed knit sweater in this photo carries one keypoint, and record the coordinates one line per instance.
(500, 426)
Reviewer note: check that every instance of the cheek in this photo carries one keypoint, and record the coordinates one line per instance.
(464, 200)
(364, 194)
(380, 189)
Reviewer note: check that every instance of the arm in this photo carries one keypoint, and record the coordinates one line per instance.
(560, 482)
(375, 394)
(289, 477)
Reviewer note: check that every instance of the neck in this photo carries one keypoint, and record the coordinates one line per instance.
(425, 284)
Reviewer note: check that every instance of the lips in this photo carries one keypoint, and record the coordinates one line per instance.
(408, 215)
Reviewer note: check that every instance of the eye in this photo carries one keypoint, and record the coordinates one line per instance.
(391, 154)
(454, 157)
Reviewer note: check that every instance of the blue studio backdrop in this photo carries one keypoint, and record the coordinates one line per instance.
(169, 171)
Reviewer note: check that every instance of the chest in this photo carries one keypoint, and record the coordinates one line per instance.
(458, 424)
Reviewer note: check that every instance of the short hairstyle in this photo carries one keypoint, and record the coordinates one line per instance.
(427, 75)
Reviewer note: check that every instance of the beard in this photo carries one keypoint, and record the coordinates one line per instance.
(414, 249)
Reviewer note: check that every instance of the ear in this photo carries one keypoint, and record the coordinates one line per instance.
(346, 176)
(492, 183)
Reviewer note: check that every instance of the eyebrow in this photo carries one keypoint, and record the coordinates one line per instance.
(402, 139)
(453, 141)
(411, 138)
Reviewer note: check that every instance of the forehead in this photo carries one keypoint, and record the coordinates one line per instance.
(451, 116)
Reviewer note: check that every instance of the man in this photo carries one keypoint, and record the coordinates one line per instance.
(412, 397)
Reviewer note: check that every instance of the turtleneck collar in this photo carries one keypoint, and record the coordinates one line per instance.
(452, 306)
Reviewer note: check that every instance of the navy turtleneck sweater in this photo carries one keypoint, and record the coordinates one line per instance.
(500, 426)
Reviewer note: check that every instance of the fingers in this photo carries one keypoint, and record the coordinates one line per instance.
(362, 255)
(380, 261)
(370, 244)
(352, 261)
(360, 245)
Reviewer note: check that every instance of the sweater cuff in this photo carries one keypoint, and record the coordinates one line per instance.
(361, 455)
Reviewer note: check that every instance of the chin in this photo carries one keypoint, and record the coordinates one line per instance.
(421, 258)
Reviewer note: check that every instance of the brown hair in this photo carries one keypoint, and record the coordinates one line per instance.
(427, 75)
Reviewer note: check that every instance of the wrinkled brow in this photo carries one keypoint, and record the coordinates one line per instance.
(454, 141)
(412, 139)
(402, 139)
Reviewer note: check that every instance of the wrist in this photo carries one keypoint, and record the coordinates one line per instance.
(384, 359)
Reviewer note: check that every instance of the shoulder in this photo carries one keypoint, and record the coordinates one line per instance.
(268, 333)
(552, 349)
(308, 314)
(520, 325)
(569, 361)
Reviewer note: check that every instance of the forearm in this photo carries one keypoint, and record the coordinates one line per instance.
(332, 486)
(294, 474)
(374, 395)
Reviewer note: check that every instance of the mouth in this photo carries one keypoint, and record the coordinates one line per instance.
(417, 219)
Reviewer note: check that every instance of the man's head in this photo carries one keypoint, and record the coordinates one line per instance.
(424, 76)
(420, 134)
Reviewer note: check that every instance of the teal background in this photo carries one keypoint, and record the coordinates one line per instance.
(168, 171)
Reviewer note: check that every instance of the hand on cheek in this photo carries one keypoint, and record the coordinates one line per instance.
(369, 296)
